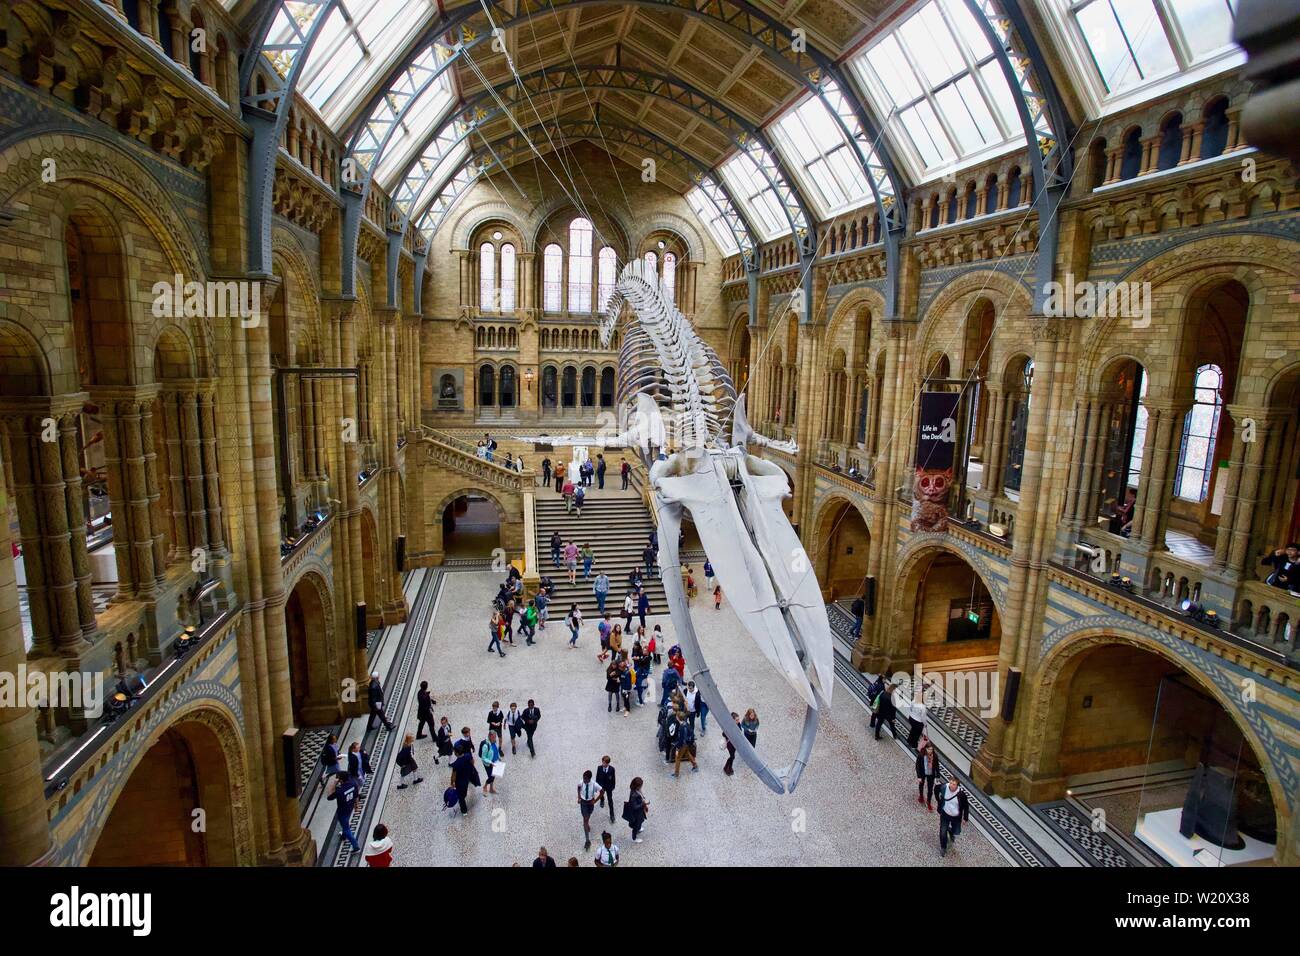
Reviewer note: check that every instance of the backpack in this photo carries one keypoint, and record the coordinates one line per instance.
(328, 755)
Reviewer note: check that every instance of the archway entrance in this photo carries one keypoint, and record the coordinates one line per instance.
(370, 570)
(154, 820)
(471, 527)
(954, 617)
(1129, 731)
(843, 542)
(306, 622)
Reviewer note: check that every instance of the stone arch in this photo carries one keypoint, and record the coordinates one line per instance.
(542, 213)
(680, 226)
(913, 562)
(23, 357)
(310, 630)
(473, 218)
(1066, 647)
(439, 512)
(371, 567)
(838, 576)
(211, 732)
(1004, 291)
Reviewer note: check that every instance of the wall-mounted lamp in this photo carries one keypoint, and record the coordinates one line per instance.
(528, 378)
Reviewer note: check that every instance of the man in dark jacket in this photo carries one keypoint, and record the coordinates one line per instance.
(649, 558)
(605, 780)
(531, 716)
(885, 710)
(424, 713)
(857, 608)
(376, 697)
(600, 472)
(344, 794)
(954, 807)
(546, 477)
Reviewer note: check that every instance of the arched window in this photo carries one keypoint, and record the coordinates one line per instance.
(608, 266)
(550, 387)
(669, 280)
(588, 387)
(607, 387)
(1019, 428)
(1139, 433)
(486, 386)
(1200, 428)
(569, 387)
(652, 261)
(580, 265)
(507, 386)
(507, 298)
(552, 277)
(1171, 142)
(487, 277)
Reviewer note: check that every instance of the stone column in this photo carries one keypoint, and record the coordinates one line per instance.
(1232, 481)
(152, 493)
(211, 470)
(172, 400)
(124, 454)
(1156, 506)
(1247, 497)
(74, 498)
(24, 832)
(195, 480)
(995, 441)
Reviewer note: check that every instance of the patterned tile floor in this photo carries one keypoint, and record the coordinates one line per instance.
(855, 805)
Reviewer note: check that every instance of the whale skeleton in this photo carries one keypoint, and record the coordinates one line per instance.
(680, 400)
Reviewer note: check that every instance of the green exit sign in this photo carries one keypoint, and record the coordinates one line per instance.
(973, 617)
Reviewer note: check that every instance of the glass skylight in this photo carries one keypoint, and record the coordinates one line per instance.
(1133, 42)
(756, 195)
(355, 47)
(425, 113)
(824, 162)
(944, 95)
(713, 218)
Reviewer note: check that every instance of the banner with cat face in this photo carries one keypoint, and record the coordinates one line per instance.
(936, 442)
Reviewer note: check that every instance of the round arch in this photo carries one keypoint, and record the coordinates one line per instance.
(1070, 646)
(914, 563)
(309, 629)
(841, 544)
(481, 538)
(144, 822)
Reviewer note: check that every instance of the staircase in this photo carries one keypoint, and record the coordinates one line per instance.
(617, 526)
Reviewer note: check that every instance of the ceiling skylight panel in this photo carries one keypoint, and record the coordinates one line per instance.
(932, 45)
(756, 195)
(424, 115)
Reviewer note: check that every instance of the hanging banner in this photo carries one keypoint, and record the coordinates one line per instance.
(936, 441)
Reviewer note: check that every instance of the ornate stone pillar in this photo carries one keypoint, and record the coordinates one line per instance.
(211, 470)
(1247, 497)
(74, 498)
(24, 832)
(195, 479)
(1161, 479)
(152, 493)
(172, 400)
(1232, 481)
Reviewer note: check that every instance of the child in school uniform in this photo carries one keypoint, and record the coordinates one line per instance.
(717, 597)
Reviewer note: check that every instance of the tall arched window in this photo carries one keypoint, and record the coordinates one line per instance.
(487, 277)
(552, 277)
(607, 387)
(486, 386)
(588, 387)
(1018, 428)
(569, 387)
(652, 261)
(507, 298)
(550, 387)
(1139, 433)
(507, 386)
(669, 280)
(608, 268)
(580, 265)
(1200, 428)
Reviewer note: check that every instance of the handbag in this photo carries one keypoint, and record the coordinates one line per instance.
(627, 810)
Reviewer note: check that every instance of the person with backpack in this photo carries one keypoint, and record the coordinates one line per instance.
(514, 725)
(574, 622)
(641, 668)
(557, 544)
(424, 713)
(636, 809)
(496, 629)
(489, 751)
(329, 758)
(625, 686)
(543, 601)
(685, 743)
(406, 761)
(927, 772)
(588, 792)
(546, 471)
(343, 791)
(379, 851)
(358, 762)
(954, 808)
(528, 623)
(463, 774)
(579, 497)
(625, 471)
(605, 779)
(531, 717)
(708, 575)
(669, 683)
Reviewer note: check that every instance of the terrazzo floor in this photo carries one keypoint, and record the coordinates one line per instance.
(856, 803)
